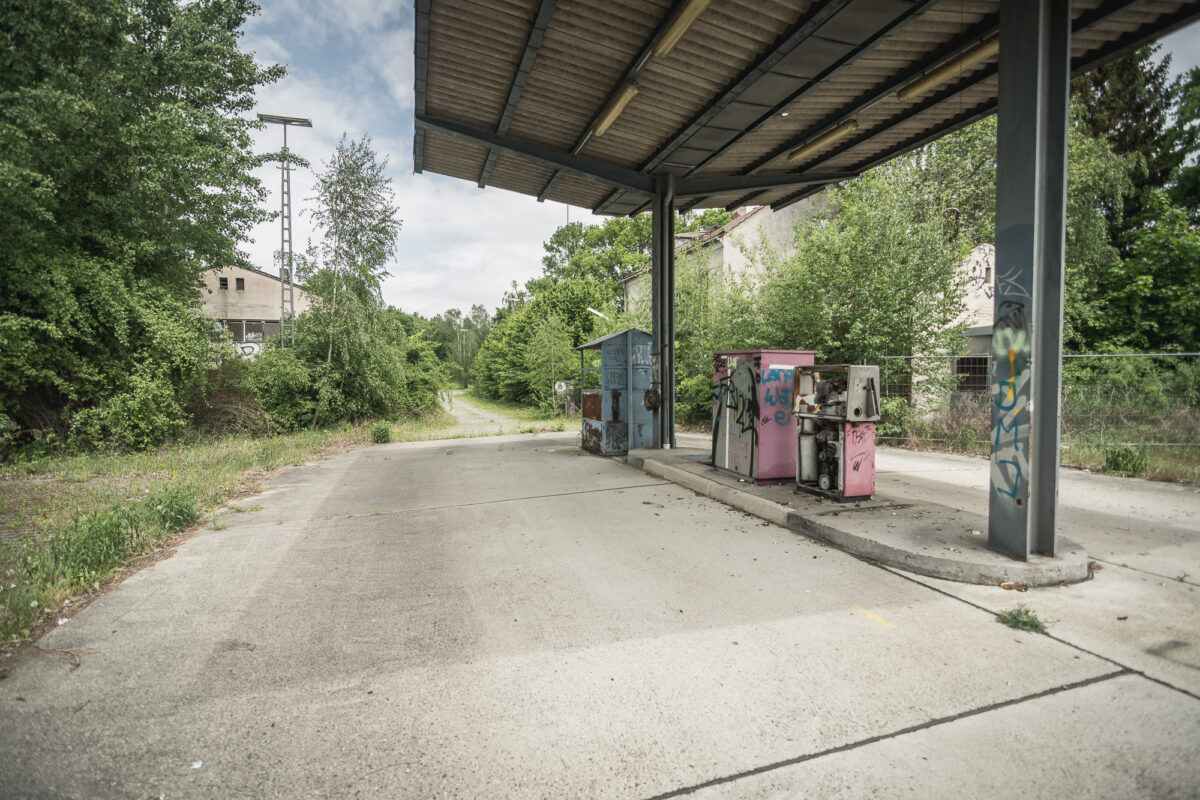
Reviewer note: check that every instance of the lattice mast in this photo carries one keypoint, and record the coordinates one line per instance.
(287, 293)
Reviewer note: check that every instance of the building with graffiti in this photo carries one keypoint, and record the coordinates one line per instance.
(246, 303)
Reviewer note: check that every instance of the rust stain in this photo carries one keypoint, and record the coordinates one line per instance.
(593, 439)
(592, 405)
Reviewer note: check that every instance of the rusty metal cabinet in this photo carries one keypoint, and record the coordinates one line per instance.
(615, 417)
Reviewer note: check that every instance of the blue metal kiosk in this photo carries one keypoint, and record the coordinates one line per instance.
(615, 415)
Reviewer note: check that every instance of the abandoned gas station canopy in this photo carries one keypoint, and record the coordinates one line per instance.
(742, 101)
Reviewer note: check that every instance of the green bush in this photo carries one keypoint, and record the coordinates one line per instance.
(530, 347)
(1127, 461)
(145, 414)
(896, 417)
(381, 432)
(694, 400)
(284, 387)
(91, 546)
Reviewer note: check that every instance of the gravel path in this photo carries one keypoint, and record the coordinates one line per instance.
(476, 421)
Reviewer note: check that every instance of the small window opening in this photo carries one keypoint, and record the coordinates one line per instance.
(223, 283)
(241, 284)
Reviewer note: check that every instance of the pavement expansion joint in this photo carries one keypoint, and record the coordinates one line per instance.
(1175, 578)
(686, 790)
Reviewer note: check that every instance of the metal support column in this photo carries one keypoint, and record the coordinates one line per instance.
(662, 305)
(1035, 39)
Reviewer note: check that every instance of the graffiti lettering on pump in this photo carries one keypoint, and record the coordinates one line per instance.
(737, 393)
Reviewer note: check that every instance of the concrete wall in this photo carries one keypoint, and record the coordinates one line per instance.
(739, 245)
(747, 241)
(980, 269)
(259, 300)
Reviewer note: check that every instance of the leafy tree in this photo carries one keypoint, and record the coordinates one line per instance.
(358, 358)
(877, 276)
(549, 357)
(1156, 305)
(1185, 133)
(701, 220)
(601, 253)
(457, 338)
(356, 215)
(1129, 103)
(125, 162)
(502, 369)
(608, 252)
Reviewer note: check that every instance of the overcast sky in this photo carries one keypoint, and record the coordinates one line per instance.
(350, 69)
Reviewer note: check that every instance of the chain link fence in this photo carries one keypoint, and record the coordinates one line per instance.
(1149, 402)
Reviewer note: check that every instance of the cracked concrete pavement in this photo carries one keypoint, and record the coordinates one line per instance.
(510, 617)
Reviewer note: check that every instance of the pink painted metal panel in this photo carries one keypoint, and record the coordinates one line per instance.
(775, 429)
(859, 460)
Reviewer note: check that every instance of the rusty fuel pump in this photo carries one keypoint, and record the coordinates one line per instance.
(836, 408)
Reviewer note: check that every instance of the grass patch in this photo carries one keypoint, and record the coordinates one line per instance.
(67, 522)
(1023, 618)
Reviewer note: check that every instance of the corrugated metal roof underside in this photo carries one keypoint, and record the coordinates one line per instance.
(715, 105)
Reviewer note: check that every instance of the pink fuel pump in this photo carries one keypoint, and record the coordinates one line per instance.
(836, 408)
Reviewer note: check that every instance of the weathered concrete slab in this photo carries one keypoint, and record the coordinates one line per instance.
(549, 625)
(920, 536)
(1036, 750)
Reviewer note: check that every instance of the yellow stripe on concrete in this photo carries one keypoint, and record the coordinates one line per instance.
(875, 618)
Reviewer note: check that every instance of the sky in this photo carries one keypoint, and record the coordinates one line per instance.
(350, 70)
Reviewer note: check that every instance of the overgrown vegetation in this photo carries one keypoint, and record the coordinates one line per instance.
(125, 156)
(534, 332)
(68, 521)
(381, 432)
(125, 160)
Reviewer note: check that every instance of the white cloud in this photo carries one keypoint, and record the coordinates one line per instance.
(351, 69)
(1184, 47)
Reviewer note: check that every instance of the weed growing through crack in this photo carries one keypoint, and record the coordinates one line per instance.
(1023, 618)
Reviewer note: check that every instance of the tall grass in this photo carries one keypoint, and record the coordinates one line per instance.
(67, 522)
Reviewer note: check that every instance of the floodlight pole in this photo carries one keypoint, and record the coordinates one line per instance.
(287, 299)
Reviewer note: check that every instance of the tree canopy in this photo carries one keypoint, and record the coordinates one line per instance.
(125, 162)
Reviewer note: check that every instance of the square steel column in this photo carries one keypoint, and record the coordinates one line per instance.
(1031, 177)
(662, 305)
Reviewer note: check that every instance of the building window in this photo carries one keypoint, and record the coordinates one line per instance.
(241, 284)
(222, 283)
(973, 374)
